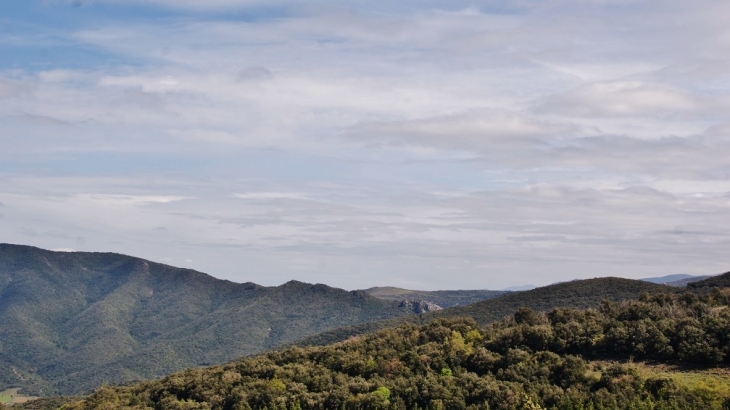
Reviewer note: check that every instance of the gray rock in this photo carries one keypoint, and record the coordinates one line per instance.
(419, 306)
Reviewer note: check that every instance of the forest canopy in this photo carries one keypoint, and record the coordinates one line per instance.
(562, 359)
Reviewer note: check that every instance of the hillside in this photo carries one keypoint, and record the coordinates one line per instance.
(684, 282)
(712, 282)
(70, 321)
(575, 294)
(668, 278)
(443, 298)
(578, 294)
(565, 359)
(679, 280)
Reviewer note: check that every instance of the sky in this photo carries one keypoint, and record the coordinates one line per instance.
(420, 144)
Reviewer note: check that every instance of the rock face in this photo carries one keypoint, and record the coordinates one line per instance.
(443, 298)
(419, 306)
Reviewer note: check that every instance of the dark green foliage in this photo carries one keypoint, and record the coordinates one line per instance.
(575, 294)
(70, 321)
(687, 328)
(712, 282)
(48, 403)
(528, 361)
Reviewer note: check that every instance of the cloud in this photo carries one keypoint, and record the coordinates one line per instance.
(481, 131)
(191, 4)
(194, 4)
(270, 195)
(254, 73)
(367, 143)
(130, 199)
(623, 99)
(10, 88)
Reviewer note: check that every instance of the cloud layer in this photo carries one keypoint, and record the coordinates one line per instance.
(365, 144)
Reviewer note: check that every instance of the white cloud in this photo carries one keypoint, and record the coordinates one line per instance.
(129, 199)
(363, 144)
(623, 99)
(270, 195)
(481, 131)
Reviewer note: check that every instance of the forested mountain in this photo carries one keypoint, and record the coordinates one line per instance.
(443, 298)
(575, 294)
(712, 282)
(564, 359)
(679, 280)
(70, 321)
(670, 278)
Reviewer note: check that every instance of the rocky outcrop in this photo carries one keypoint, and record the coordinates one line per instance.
(419, 306)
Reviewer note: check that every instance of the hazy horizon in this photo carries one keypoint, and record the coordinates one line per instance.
(424, 145)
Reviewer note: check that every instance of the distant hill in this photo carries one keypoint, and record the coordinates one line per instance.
(668, 278)
(684, 282)
(712, 282)
(519, 288)
(678, 280)
(70, 321)
(443, 298)
(575, 294)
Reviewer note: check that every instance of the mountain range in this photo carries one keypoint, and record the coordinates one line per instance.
(70, 321)
(662, 351)
(678, 280)
(588, 293)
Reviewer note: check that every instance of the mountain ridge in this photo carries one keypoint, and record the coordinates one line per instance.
(722, 280)
(72, 320)
(584, 293)
(678, 280)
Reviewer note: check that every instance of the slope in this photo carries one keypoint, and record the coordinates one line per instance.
(684, 282)
(70, 321)
(679, 280)
(575, 294)
(565, 359)
(578, 294)
(668, 278)
(712, 282)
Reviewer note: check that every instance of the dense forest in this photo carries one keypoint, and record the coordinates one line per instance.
(587, 293)
(564, 359)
